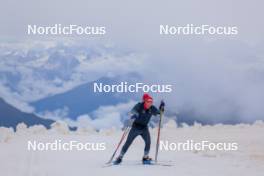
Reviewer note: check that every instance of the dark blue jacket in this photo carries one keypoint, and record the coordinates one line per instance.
(143, 116)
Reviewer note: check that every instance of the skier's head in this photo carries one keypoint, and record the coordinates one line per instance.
(148, 101)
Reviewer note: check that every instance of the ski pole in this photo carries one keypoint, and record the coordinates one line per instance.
(118, 145)
(158, 139)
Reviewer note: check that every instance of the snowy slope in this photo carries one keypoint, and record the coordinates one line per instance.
(248, 160)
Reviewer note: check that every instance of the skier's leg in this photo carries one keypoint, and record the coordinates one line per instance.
(130, 138)
(146, 137)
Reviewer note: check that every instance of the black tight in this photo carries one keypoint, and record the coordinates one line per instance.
(134, 132)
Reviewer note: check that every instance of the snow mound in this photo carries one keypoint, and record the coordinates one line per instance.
(171, 124)
(37, 129)
(60, 127)
(6, 134)
(108, 132)
(21, 129)
(259, 123)
(85, 130)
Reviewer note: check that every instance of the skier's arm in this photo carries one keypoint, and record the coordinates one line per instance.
(134, 111)
(133, 114)
(160, 110)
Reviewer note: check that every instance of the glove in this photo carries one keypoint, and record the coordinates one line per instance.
(162, 105)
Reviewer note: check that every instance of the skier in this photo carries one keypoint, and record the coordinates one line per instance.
(140, 117)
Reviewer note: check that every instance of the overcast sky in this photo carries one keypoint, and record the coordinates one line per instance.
(132, 22)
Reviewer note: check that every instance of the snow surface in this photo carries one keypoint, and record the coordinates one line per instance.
(16, 160)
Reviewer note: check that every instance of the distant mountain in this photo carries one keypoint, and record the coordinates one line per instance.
(83, 100)
(37, 70)
(10, 117)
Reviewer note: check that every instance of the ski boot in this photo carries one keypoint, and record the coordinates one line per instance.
(118, 160)
(146, 160)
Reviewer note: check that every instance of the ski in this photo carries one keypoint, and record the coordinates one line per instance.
(150, 164)
(159, 164)
(108, 165)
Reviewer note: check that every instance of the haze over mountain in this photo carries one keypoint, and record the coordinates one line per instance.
(54, 79)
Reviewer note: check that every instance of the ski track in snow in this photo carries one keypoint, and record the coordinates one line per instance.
(16, 160)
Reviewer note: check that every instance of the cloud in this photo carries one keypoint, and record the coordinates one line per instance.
(58, 114)
(32, 70)
(217, 81)
(13, 99)
(106, 116)
(102, 118)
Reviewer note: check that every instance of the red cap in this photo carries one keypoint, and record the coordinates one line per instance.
(146, 97)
